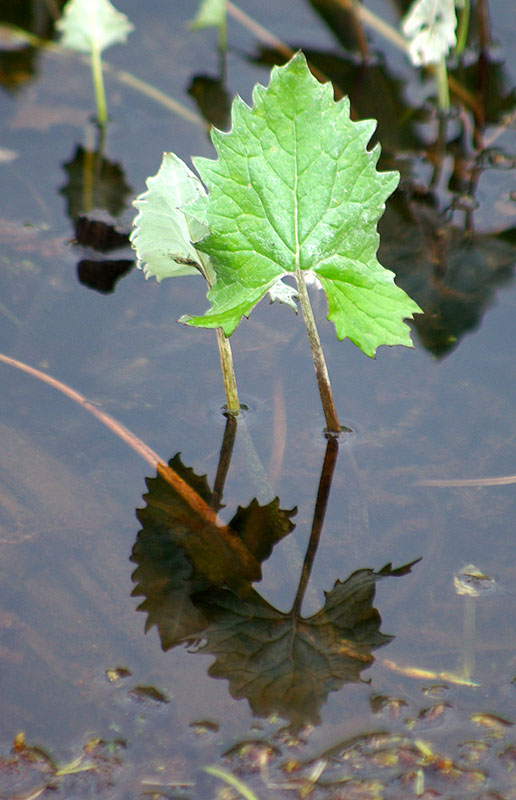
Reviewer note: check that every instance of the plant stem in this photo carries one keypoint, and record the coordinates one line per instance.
(98, 84)
(443, 94)
(225, 353)
(223, 34)
(321, 370)
(228, 372)
(462, 29)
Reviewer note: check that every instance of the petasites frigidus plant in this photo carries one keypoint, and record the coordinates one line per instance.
(294, 193)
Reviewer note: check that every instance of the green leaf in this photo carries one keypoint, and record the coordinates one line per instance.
(295, 189)
(163, 234)
(211, 13)
(92, 25)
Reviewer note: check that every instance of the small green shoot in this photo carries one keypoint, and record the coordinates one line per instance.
(212, 14)
(430, 27)
(89, 26)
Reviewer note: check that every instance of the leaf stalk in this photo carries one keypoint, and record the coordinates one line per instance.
(98, 84)
(321, 370)
(462, 29)
(228, 372)
(443, 92)
(225, 352)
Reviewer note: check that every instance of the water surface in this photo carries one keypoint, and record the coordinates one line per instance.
(69, 489)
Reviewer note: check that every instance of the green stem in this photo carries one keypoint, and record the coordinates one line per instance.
(462, 28)
(223, 33)
(321, 370)
(443, 93)
(98, 84)
(228, 372)
(225, 352)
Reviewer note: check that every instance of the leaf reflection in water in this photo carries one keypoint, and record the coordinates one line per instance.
(196, 576)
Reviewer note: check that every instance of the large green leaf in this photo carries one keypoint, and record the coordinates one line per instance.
(163, 234)
(295, 187)
(92, 25)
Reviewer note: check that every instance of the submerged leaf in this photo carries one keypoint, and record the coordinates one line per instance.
(92, 25)
(294, 191)
(163, 234)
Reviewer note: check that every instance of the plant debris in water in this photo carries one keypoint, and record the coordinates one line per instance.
(378, 765)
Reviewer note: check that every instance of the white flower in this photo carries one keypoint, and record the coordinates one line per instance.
(430, 27)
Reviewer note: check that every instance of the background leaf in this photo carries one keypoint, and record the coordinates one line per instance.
(430, 27)
(211, 13)
(163, 235)
(92, 25)
(295, 185)
(454, 273)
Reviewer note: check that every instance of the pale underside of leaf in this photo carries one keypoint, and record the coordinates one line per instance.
(163, 233)
(284, 293)
(295, 188)
(92, 25)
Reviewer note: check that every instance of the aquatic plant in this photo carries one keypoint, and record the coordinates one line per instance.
(212, 13)
(89, 26)
(430, 26)
(294, 194)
